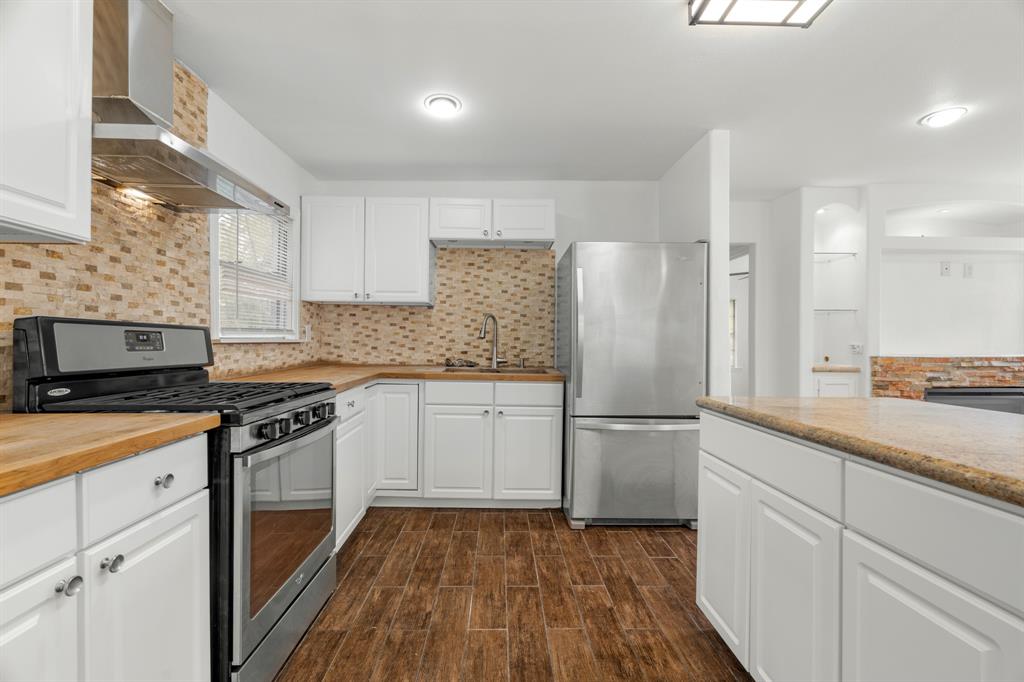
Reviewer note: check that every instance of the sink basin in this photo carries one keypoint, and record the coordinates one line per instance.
(500, 370)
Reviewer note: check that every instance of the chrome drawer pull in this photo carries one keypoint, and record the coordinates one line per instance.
(70, 587)
(112, 564)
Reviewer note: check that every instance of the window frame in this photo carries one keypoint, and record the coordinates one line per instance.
(295, 320)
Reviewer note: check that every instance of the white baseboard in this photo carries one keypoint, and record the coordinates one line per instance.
(462, 503)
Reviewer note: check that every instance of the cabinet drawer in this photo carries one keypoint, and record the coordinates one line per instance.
(528, 394)
(351, 403)
(813, 477)
(978, 545)
(37, 526)
(459, 393)
(119, 494)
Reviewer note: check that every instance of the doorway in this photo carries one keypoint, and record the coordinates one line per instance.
(741, 319)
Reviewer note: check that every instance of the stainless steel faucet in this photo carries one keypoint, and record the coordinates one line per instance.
(495, 360)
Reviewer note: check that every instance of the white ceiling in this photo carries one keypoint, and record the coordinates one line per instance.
(619, 89)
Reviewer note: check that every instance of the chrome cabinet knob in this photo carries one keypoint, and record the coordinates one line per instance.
(70, 587)
(165, 481)
(112, 564)
(367, 295)
(501, 413)
(486, 232)
(355, 295)
(498, 233)
(486, 412)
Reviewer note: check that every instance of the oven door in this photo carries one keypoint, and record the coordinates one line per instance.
(283, 529)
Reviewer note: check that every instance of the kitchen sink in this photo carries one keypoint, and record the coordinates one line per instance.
(500, 370)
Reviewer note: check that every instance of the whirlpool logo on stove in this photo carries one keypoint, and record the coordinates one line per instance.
(56, 392)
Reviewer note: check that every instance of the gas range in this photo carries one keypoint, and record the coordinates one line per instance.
(271, 468)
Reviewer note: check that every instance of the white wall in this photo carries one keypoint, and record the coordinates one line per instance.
(925, 313)
(693, 200)
(235, 141)
(587, 211)
(839, 283)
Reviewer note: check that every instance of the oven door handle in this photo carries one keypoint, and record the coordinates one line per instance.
(288, 446)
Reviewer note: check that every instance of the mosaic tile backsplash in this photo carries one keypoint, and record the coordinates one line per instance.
(907, 377)
(149, 264)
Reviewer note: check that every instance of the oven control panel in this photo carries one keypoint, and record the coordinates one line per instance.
(281, 425)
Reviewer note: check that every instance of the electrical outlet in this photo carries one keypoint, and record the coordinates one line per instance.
(857, 348)
(946, 268)
(968, 270)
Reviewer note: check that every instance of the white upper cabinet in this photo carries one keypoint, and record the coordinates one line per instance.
(460, 219)
(397, 251)
(45, 120)
(373, 250)
(332, 249)
(530, 220)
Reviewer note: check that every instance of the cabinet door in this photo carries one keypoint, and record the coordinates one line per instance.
(348, 468)
(524, 220)
(466, 219)
(150, 618)
(39, 637)
(332, 249)
(903, 622)
(723, 550)
(371, 473)
(459, 451)
(836, 386)
(528, 453)
(794, 590)
(397, 251)
(396, 437)
(45, 120)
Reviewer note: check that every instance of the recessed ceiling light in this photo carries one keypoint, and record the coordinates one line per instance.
(943, 117)
(442, 106)
(756, 12)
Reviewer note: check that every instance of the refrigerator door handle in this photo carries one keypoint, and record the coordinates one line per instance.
(579, 333)
(593, 426)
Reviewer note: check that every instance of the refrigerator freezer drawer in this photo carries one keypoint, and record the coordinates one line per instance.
(634, 469)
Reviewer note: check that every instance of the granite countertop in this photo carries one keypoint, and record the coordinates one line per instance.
(344, 377)
(836, 369)
(38, 448)
(978, 450)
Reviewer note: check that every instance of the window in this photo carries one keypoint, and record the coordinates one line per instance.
(253, 287)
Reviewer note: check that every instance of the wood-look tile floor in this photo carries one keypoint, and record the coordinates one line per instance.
(446, 594)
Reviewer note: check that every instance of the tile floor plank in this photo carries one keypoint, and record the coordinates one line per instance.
(599, 542)
(385, 535)
(557, 598)
(653, 543)
(516, 519)
(400, 656)
(542, 533)
(486, 657)
(582, 569)
(492, 533)
(614, 655)
(399, 562)
(357, 656)
(640, 567)
(461, 559)
(488, 610)
(312, 657)
(418, 519)
(446, 638)
(571, 657)
(351, 550)
(341, 610)
(627, 601)
(467, 519)
(418, 599)
(528, 659)
(439, 535)
(658, 660)
(379, 608)
(519, 565)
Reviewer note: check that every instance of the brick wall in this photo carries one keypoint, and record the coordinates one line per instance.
(908, 377)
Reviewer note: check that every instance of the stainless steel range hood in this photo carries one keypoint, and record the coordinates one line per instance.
(133, 106)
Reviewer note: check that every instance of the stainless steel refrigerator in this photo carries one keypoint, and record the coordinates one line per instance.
(630, 338)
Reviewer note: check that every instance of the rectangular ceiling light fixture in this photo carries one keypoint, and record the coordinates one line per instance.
(801, 13)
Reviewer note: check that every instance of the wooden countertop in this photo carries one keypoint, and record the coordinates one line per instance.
(37, 448)
(344, 377)
(977, 450)
(836, 369)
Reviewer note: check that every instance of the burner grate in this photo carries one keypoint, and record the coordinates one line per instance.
(215, 396)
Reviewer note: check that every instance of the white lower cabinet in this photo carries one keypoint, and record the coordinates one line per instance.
(794, 589)
(396, 436)
(371, 472)
(836, 384)
(527, 453)
(723, 551)
(39, 631)
(147, 598)
(458, 451)
(903, 622)
(348, 455)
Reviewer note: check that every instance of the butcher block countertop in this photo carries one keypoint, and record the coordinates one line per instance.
(344, 377)
(977, 450)
(38, 448)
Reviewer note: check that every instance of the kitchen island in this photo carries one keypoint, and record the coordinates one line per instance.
(863, 539)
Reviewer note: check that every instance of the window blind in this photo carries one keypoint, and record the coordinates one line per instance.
(256, 283)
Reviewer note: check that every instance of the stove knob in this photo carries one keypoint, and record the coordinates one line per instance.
(320, 411)
(303, 417)
(331, 408)
(268, 431)
(284, 426)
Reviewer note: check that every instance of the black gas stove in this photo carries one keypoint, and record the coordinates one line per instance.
(271, 468)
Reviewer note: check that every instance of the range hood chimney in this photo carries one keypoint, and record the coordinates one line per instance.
(133, 107)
